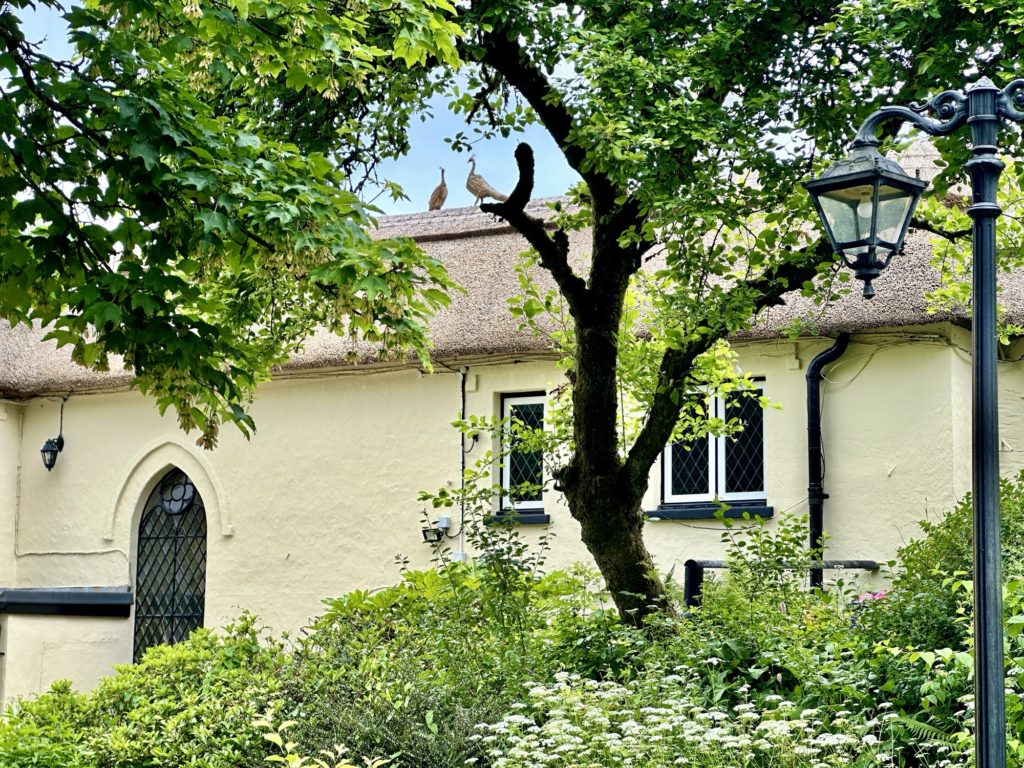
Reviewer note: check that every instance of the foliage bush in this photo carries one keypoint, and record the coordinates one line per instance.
(410, 670)
(496, 664)
(189, 704)
(922, 608)
(770, 633)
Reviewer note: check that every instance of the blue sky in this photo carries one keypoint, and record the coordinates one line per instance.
(418, 172)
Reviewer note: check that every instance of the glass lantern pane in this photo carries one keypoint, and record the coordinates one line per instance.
(893, 210)
(848, 212)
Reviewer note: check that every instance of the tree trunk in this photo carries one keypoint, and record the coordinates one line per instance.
(611, 523)
(601, 494)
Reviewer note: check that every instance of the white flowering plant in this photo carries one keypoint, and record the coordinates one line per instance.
(657, 722)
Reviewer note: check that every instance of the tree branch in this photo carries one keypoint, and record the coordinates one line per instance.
(950, 235)
(502, 52)
(553, 249)
(676, 364)
(20, 52)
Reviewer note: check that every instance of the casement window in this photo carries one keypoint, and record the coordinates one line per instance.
(698, 474)
(522, 470)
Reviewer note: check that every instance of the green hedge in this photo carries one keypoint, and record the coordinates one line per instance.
(191, 704)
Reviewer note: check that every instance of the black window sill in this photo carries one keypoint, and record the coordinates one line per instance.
(707, 510)
(511, 517)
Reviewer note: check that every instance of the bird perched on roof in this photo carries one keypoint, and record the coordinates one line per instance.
(479, 187)
(439, 195)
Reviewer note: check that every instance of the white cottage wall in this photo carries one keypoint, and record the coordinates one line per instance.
(323, 497)
(890, 441)
(43, 649)
(10, 442)
(1011, 409)
(10, 465)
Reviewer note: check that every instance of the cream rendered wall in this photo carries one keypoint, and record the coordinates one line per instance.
(43, 649)
(323, 497)
(893, 416)
(1011, 409)
(960, 405)
(886, 424)
(10, 441)
(299, 510)
(891, 457)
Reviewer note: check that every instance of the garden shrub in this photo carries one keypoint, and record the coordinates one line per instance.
(921, 608)
(46, 732)
(192, 704)
(408, 671)
(758, 627)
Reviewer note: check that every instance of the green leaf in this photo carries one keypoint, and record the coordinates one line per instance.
(373, 286)
(213, 221)
(150, 157)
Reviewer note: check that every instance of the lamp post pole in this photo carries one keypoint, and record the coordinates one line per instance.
(981, 106)
(989, 698)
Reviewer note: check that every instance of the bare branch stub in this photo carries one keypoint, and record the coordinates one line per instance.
(552, 248)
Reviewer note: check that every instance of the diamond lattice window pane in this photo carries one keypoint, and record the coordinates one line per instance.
(744, 453)
(170, 584)
(526, 467)
(690, 467)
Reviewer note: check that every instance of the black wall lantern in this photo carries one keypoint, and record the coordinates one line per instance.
(865, 202)
(54, 445)
(50, 449)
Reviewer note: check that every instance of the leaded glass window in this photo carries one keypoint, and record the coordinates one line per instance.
(522, 476)
(689, 462)
(729, 468)
(743, 454)
(170, 582)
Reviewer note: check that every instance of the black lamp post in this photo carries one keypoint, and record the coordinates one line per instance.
(981, 106)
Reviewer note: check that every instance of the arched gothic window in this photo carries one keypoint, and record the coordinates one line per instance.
(170, 583)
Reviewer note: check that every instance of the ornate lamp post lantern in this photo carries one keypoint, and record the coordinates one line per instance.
(865, 202)
(866, 206)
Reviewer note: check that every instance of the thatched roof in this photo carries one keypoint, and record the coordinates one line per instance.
(479, 253)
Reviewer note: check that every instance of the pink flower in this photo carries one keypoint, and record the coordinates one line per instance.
(864, 596)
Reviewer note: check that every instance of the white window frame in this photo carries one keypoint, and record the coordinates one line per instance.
(507, 403)
(716, 465)
(685, 498)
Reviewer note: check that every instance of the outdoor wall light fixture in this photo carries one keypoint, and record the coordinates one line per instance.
(865, 204)
(50, 449)
(434, 532)
(54, 445)
(432, 535)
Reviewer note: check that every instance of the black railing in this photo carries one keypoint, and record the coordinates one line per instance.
(693, 573)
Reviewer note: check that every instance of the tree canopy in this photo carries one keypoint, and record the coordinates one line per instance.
(691, 124)
(182, 193)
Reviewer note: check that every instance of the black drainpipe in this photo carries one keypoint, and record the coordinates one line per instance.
(815, 465)
(463, 372)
